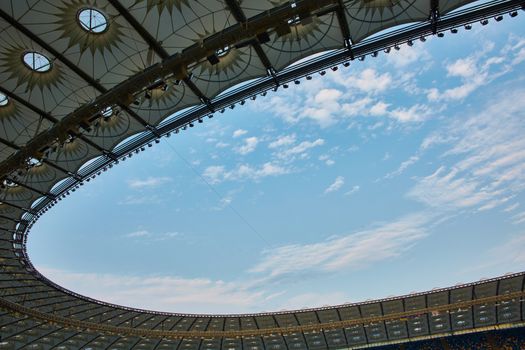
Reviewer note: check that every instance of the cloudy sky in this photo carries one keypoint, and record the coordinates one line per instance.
(401, 173)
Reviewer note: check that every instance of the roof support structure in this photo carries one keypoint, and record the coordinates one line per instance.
(177, 62)
(240, 17)
(74, 68)
(343, 23)
(154, 45)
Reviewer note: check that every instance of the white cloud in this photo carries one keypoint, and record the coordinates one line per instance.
(369, 81)
(166, 293)
(141, 233)
(402, 167)
(336, 185)
(463, 67)
(300, 148)
(478, 70)
(511, 207)
(489, 154)
(354, 189)
(493, 203)
(353, 251)
(447, 189)
(249, 145)
(519, 218)
(149, 182)
(284, 140)
(287, 107)
(145, 234)
(323, 116)
(327, 96)
(416, 113)
(407, 56)
(226, 200)
(379, 109)
(360, 107)
(324, 107)
(216, 173)
(239, 133)
(435, 139)
(326, 159)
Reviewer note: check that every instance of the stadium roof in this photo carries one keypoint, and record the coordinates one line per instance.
(86, 83)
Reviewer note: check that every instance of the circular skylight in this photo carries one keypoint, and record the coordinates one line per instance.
(107, 112)
(33, 162)
(223, 52)
(4, 100)
(37, 62)
(9, 183)
(92, 20)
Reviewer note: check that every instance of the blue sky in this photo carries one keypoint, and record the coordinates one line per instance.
(401, 173)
